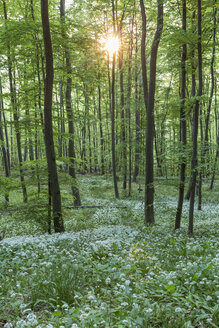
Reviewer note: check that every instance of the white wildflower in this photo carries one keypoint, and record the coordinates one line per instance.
(32, 319)
(108, 281)
(8, 325)
(149, 310)
(124, 304)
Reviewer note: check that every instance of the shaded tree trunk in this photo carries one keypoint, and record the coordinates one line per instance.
(195, 122)
(182, 123)
(71, 147)
(101, 131)
(15, 111)
(48, 129)
(217, 141)
(113, 114)
(187, 196)
(137, 115)
(206, 145)
(129, 108)
(4, 150)
(122, 106)
(149, 104)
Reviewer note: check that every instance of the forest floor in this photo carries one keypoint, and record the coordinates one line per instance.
(109, 270)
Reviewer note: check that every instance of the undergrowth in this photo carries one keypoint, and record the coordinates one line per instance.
(108, 269)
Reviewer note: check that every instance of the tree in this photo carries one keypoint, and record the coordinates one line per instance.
(4, 149)
(15, 110)
(195, 121)
(182, 123)
(71, 147)
(149, 104)
(48, 128)
(113, 112)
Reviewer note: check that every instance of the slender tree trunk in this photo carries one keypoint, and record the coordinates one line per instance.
(95, 140)
(61, 110)
(137, 114)
(217, 140)
(110, 113)
(206, 146)
(113, 114)
(202, 162)
(196, 116)
(15, 110)
(71, 147)
(204, 136)
(143, 54)
(48, 128)
(149, 104)
(122, 106)
(4, 123)
(4, 150)
(187, 196)
(129, 108)
(182, 123)
(101, 131)
(215, 164)
(6, 139)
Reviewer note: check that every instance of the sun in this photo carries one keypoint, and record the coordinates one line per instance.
(112, 45)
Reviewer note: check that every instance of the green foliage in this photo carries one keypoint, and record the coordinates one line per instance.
(112, 275)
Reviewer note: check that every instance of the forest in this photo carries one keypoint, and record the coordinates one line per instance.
(109, 174)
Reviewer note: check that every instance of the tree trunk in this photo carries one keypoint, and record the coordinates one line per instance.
(149, 104)
(113, 114)
(129, 109)
(206, 146)
(217, 140)
(15, 111)
(187, 196)
(101, 131)
(195, 120)
(71, 147)
(122, 106)
(182, 123)
(137, 115)
(48, 129)
(4, 150)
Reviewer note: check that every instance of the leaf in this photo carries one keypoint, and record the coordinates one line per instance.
(170, 288)
(114, 246)
(194, 277)
(57, 313)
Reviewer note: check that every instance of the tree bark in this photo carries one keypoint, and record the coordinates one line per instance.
(101, 131)
(122, 106)
(15, 115)
(48, 128)
(71, 147)
(137, 115)
(195, 120)
(182, 123)
(206, 146)
(113, 114)
(129, 109)
(187, 196)
(4, 150)
(149, 104)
